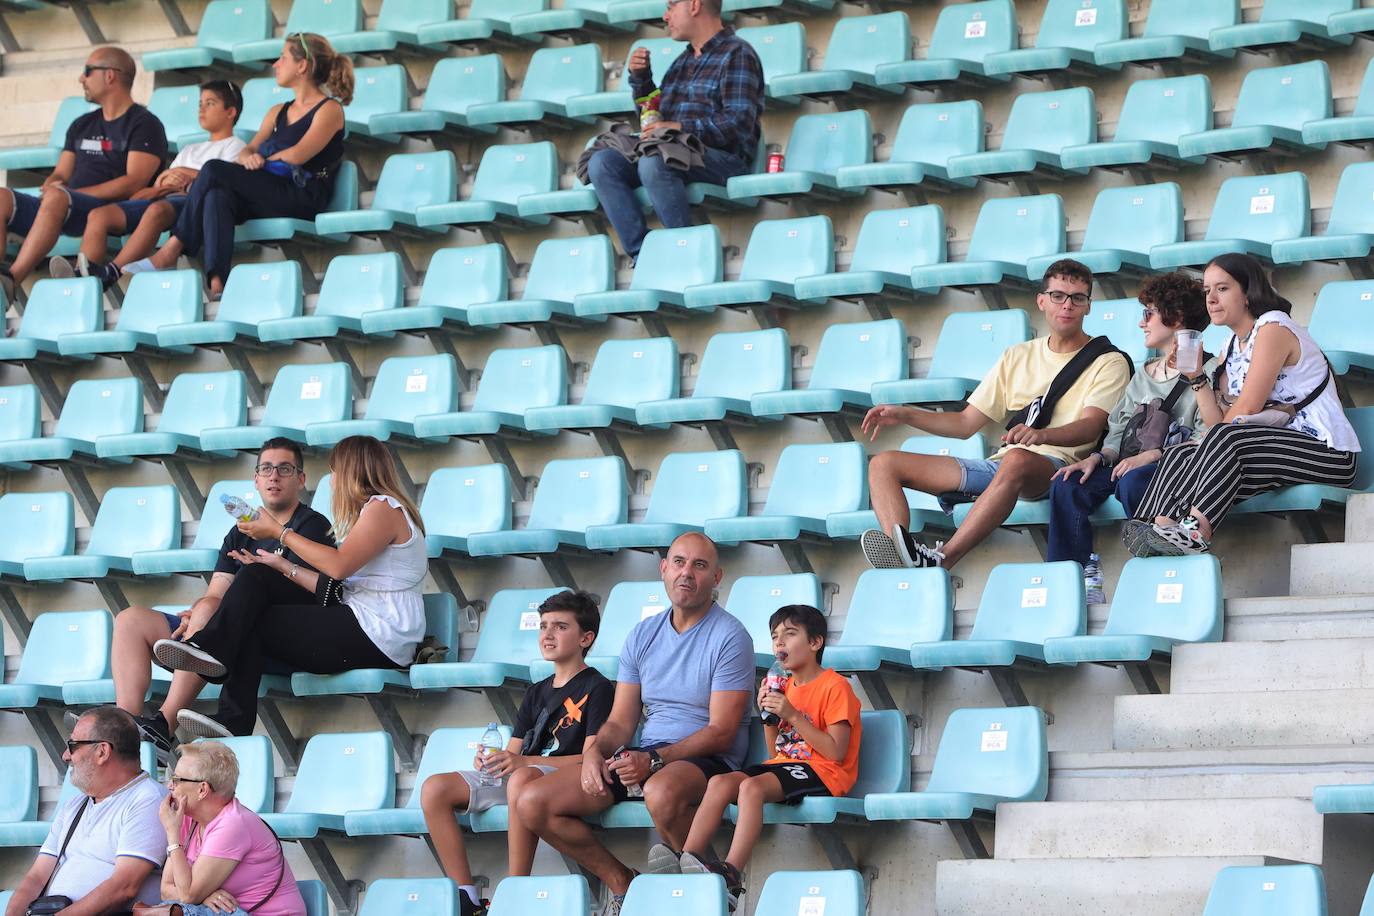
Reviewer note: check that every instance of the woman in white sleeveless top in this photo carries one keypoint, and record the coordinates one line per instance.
(368, 610)
(1269, 359)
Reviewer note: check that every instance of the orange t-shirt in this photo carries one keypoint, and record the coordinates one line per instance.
(824, 702)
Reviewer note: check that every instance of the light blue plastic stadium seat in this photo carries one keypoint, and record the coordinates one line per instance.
(257, 789)
(1285, 23)
(56, 308)
(259, 95)
(1274, 104)
(153, 299)
(577, 203)
(626, 605)
(378, 92)
(299, 396)
(405, 387)
(459, 502)
(780, 251)
(324, 17)
(513, 381)
(34, 832)
(808, 483)
(1267, 890)
(1340, 324)
(1357, 128)
(1008, 233)
(782, 52)
(1352, 22)
(1125, 223)
(858, 45)
(408, 182)
(619, 103)
(736, 366)
(820, 144)
(339, 773)
(969, 344)
(1349, 233)
(34, 525)
(455, 84)
(214, 524)
(891, 244)
(254, 293)
(986, 756)
(623, 374)
(272, 231)
(676, 895)
(1159, 602)
(398, 24)
(455, 279)
(21, 420)
(964, 35)
(1154, 115)
(1173, 29)
(1070, 33)
(578, 19)
(1118, 319)
(888, 611)
(852, 357)
(928, 136)
(753, 599)
(1357, 798)
(1311, 496)
(130, 520)
(1249, 215)
(486, 22)
(689, 488)
(320, 501)
(178, 108)
(315, 896)
(354, 284)
(196, 401)
(785, 893)
(224, 24)
(562, 269)
(63, 646)
(792, 8)
(18, 791)
(1040, 125)
(553, 76)
(925, 508)
(669, 261)
(46, 156)
(421, 896)
(544, 895)
(506, 645)
(506, 174)
(573, 495)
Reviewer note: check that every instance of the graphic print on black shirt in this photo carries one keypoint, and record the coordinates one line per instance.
(584, 704)
(305, 521)
(102, 147)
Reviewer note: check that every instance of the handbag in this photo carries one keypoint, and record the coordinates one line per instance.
(176, 909)
(1274, 413)
(329, 592)
(45, 904)
(1148, 427)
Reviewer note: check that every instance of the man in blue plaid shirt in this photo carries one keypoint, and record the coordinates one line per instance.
(714, 91)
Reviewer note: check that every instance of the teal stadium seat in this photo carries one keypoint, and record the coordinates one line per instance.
(354, 285)
(964, 35)
(553, 76)
(377, 93)
(1351, 22)
(624, 373)
(753, 599)
(780, 251)
(820, 145)
(577, 203)
(459, 502)
(46, 156)
(858, 45)
(888, 611)
(1309, 497)
(777, 7)
(214, 524)
(398, 25)
(153, 299)
(1070, 33)
(506, 645)
(406, 387)
(544, 895)
(1273, 106)
(1174, 29)
(315, 896)
(513, 381)
(1357, 128)
(1040, 125)
(676, 895)
(1267, 890)
(455, 279)
(891, 244)
(690, 488)
(19, 788)
(786, 893)
(619, 103)
(1119, 320)
(224, 24)
(339, 773)
(21, 419)
(259, 95)
(1159, 602)
(1154, 116)
(254, 293)
(1249, 215)
(300, 395)
(736, 366)
(455, 84)
(562, 269)
(670, 260)
(408, 182)
(782, 52)
(257, 786)
(1349, 234)
(178, 108)
(627, 605)
(63, 647)
(970, 343)
(321, 500)
(486, 22)
(131, 520)
(925, 508)
(1008, 233)
(421, 896)
(34, 832)
(1285, 23)
(505, 174)
(928, 136)
(573, 495)
(34, 525)
(1340, 325)
(577, 19)
(56, 308)
(1125, 223)
(196, 401)
(323, 17)
(986, 756)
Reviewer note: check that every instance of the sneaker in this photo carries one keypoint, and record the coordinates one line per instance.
(1182, 539)
(467, 908)
(108, 273)
(1133, 534)
(153, 729)
(199, 725)
(613, 904)
(880, 551)
(663, 861)
(734, 881)
(60, 268)
(913, 553)
(176, 655)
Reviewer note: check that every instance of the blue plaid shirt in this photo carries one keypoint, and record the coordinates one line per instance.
(717, 95)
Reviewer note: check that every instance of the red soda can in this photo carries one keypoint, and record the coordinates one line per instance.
(775, 681)
(775, 162)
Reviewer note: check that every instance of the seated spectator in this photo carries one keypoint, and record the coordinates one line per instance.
(714, 92)
(814, 731)
(105, 844)
(1273, 414)
(690, 671)
(361, 609)
(554, 719)
(279, 477)
(1036, 444)
(150, 212)
(109, 154)
(1173, 302)
(221, 857)
(288, 169)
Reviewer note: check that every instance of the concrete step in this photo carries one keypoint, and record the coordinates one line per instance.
(1331, 569)
(1300, 617)
(1359, 519)
(1299, 718)
(1291, 664)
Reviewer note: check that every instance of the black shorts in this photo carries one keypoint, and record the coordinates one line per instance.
(798, 780)
(709, 766)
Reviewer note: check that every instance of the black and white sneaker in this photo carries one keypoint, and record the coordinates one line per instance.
(663, 861)
(153, 729)
(60, 268)
(199, 725)
(176, 655)
(914, 554)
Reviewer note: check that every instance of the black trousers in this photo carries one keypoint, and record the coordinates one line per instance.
(264, 613)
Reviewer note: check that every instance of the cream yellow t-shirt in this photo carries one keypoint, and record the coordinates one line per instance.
(1024, 373)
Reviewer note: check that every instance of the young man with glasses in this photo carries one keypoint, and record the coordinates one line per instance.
(1031, 451)
(109, 154)
(280, 481)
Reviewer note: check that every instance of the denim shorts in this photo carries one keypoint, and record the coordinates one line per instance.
(976, 475)
(26, 211)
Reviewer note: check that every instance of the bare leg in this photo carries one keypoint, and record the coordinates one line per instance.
(721, 792)
(441, 797)
(753, 793)
(1021, 473)
(183, 692)
(521, 841)
(889, 472)
(672, 797)
(100, 225)
(156, 219)
(47, 226)
(166, 257)
(131, 655)
(6, 206)
(553, 807)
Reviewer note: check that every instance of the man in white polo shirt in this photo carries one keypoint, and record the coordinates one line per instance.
(118, 845)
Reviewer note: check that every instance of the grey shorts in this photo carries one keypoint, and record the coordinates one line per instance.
(976, 476)
(482, 797)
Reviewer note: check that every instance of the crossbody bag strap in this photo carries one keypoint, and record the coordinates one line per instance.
(281, 869)
(1167, 405)
(63, 851)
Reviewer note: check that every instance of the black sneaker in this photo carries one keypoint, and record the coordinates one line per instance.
(176, 655)
(153, 729)
(912, 553)
(734, 881)
(467, 908)
(108, 273)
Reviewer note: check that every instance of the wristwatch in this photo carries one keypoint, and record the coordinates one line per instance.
(655, 762)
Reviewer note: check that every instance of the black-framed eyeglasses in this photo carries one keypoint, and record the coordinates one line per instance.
(72, 745)
(174, 780)
(91, 68)
(1059, 297)
(285, 469)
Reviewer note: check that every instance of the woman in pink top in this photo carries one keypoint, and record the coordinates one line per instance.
(221, 857)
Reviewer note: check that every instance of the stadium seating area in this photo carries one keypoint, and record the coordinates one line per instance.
(464, 301)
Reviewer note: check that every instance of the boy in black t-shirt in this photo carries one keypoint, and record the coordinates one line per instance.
(554, 719)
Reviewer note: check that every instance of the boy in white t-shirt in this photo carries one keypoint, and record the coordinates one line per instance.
(152, 211)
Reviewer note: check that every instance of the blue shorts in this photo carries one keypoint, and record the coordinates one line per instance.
(977, 474)
(133, 210)
(26, 211)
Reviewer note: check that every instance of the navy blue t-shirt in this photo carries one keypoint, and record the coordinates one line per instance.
(102, 147)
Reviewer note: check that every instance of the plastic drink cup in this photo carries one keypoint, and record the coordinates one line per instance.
(1188, 351)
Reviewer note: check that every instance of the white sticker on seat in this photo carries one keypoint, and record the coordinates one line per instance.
(469, 481)
(36, 507)
(142, 501)
(526, 363)
(651, 610)
(682, 243)
(166, 284)
(903, 586)
(1053, 106)
(1169, 593)
(1261, 203)
(583, 475)
(774, 592)
(903, 223)
(791, 233)
(993, 741)
(1169, 93)
(975, 29)
(412, 898)
(985, 326)
(311, 390)
(529, 620)
(864, 338)
(811, 906)
(1365, 297)
(942, 117)
(677, 892)
(1109, 316)
(1268, 886)
(637, 354)
(416, 383)
(364, 268)
(73, 627)
(1021, 211)
(541, 895)
(942, 451)
(823, 459)
(1285, 81)
(350, 751)
(1035, 597)
(1085, 17)
(748, 346)
(703, 468)
(1170, 573)
(1137, 201)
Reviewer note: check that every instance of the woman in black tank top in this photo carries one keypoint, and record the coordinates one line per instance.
(287, 170)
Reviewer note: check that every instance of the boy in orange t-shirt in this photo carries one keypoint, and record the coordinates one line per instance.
(815, 740)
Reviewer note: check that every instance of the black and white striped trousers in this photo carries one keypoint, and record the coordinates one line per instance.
(1233, 463)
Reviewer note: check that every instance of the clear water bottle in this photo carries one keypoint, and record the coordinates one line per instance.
(491, 741)
(1092, 580)
(775, 680)
(238, 508)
